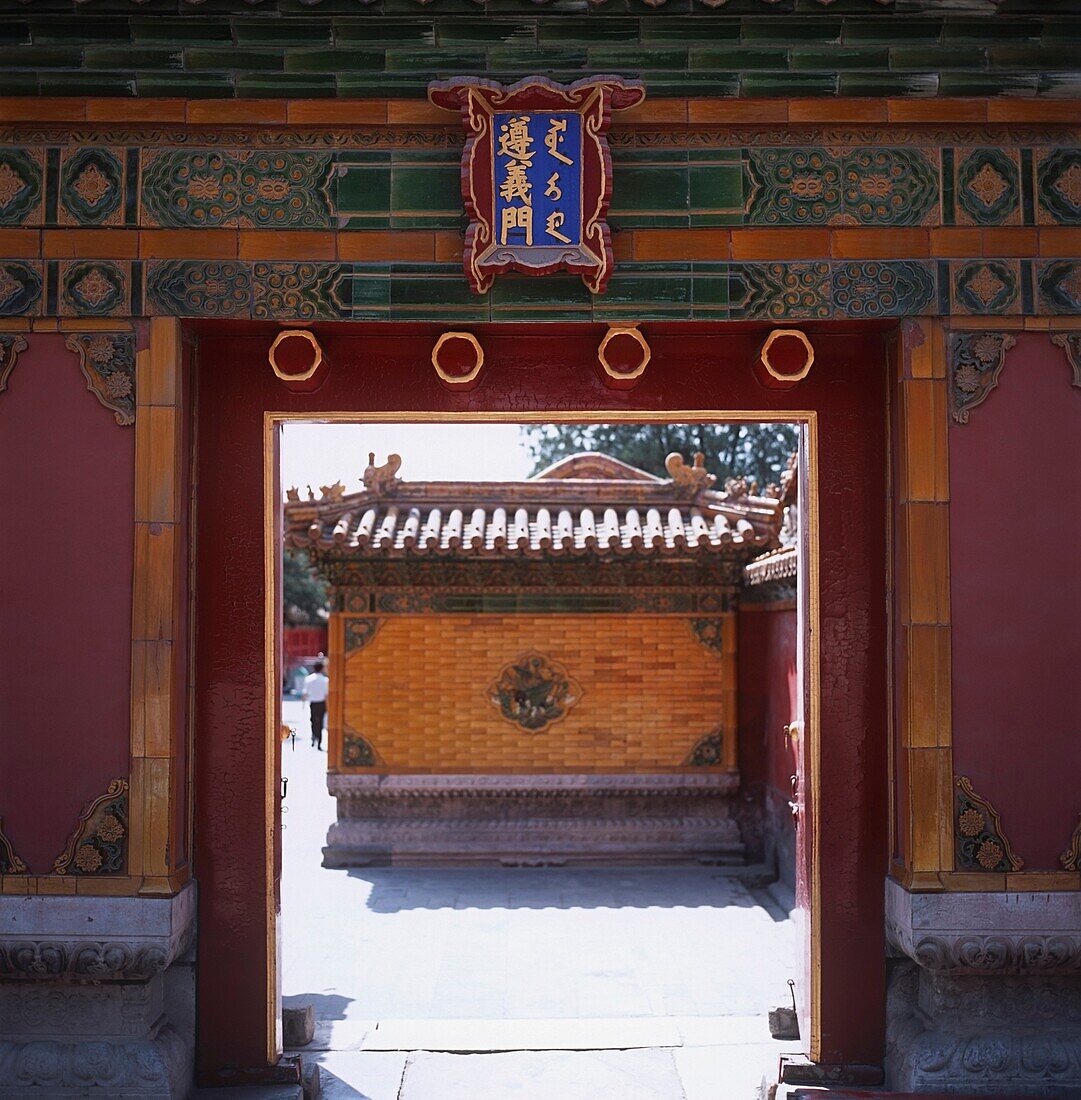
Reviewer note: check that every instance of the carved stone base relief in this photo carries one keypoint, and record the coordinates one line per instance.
(986, 931)
(533, 819)
(92, 1001)
(154, 1068)
(981, 1035)
(61, 1010)
(985, 998)
(100, 938)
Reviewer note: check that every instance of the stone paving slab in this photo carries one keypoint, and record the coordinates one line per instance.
(510, 1035)
(372, 1075)
(406, 965)
(735, 1072)
(491, 943)
(547, 1075)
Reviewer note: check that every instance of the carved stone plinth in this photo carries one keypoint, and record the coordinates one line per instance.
(96, 997)
(534, 819)
(985, 996)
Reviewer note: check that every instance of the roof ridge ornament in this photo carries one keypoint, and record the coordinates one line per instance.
(382, 480)
(693, 478)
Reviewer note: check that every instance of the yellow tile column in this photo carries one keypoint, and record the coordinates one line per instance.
(158, 670)
(922, 677)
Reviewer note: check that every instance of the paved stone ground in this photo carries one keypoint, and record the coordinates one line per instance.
(487, 983)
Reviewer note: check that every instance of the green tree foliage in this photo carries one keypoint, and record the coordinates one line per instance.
(304, 595)
(755, 451)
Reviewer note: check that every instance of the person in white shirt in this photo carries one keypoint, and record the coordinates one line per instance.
(315, 693)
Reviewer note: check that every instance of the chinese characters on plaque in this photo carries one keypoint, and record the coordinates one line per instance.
(537, 175)
(538, 166)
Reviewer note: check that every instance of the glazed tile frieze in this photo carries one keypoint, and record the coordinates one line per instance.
(324, 290)
(356, 189)
(401, 183)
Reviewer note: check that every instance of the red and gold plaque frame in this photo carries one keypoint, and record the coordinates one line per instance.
(593, 100)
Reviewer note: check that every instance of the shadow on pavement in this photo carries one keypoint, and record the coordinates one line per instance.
(394, 889)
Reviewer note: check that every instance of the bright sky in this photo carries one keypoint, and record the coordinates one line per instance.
(320, 454)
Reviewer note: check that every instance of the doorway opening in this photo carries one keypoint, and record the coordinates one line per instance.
(549, 819)
(540, 374)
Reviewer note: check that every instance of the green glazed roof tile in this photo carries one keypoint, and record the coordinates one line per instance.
(14, 31)
(125, 57)
(282, 32)
(839, 59)
(262, 60)
(181, 31)
(328, 61)
(736, 59)
(383, 32)
(300, 86)
(469, 32)
(679, 47)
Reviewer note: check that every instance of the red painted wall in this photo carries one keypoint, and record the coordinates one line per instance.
(302, 641)
(768, 696)
(387, 367)
(1015, 546)
(66, 512)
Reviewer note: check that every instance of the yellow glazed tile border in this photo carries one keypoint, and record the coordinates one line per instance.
(156, 608)
(922, 604)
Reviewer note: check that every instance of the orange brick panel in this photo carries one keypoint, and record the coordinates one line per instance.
(1012, 241)
(682, 244)
(779, 244)
(106, 244)
(201, 244)
(381, 245)
(842, 109)
(936, 110)
(878, 244)
(277, 244)
(215, 112)
(649, 691)
(344, 112)
(956, 242)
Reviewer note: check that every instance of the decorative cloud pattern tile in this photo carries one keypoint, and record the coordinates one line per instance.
(987, 187)
(1058, 186)
(92, 187)
(93, 288)
(21, 175)
(883, 185)
(986, 286)
(20, 288)
(194, 288)
(193, 188)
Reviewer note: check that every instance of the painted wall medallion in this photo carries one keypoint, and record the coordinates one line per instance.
(537, 174)
(358, 633)
(357, 751)
(708, 751)
(533, 692)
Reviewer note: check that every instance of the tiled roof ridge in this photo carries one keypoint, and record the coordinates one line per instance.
(573, 491)
(584, 465)
(392, 517)
(685, 485)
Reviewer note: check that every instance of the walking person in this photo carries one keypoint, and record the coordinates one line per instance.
(315, 694)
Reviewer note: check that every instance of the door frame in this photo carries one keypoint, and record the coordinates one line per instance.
(242, 404)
